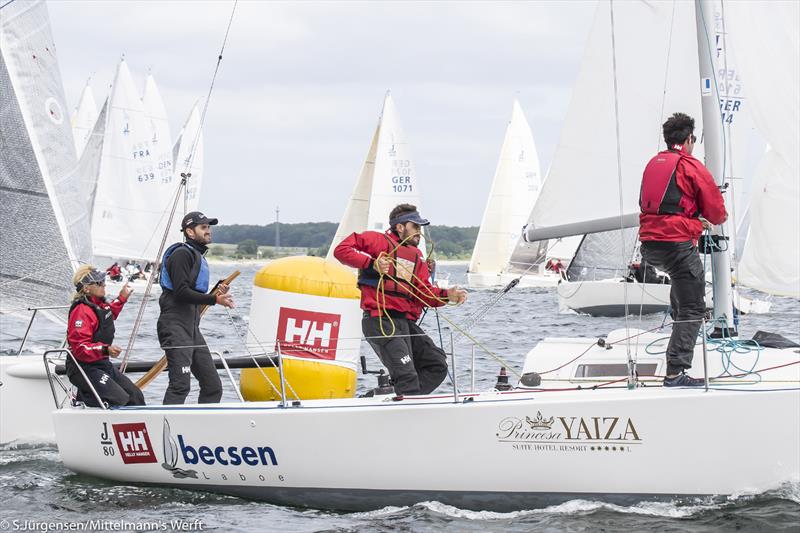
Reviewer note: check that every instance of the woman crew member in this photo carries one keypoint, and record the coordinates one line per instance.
(90, 334)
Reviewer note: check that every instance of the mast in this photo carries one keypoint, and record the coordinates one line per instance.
(712, 135)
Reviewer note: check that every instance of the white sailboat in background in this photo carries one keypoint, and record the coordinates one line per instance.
(649, 92)
(84, 118)
(388, 177)
(44, 221)
(187, 157)
(133, 179)
(515, 187)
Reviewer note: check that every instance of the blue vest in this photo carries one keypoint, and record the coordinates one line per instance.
(200, 269)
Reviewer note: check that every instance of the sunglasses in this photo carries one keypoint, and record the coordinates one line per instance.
(99, 284)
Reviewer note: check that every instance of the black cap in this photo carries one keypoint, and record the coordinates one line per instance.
(196, 217)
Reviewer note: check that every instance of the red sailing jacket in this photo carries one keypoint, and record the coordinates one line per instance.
(700, 194)
(359, 250)
(83, 324)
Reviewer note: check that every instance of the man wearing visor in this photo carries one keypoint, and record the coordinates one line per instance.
(394, 280)
(184, 280)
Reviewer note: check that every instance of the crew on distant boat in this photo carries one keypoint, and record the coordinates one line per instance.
(90, 335)
(114, 272)
(678, 199)
(394, 281)
(184, 279)
(133, 271)
(554, 265)
(644, 273)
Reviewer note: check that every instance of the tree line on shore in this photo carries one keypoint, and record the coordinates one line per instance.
(450, 242)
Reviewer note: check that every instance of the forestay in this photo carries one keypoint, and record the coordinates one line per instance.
(650, 87)
(44, 226)
(766, 42)
(515, 186)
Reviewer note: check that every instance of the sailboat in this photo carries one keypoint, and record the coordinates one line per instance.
(598, 280)
(187, 157)
(84, 118)
(514, 190)
(127, 165)
(41, 204)
(388, 177)
(578, 418)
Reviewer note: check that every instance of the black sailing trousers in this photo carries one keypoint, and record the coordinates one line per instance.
(416, 365)
(111, 385)
(687, 296)
(189, 357)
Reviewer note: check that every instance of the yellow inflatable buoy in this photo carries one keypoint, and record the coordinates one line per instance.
(309, 308)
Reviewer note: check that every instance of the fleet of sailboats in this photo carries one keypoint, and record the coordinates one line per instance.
(579, 404)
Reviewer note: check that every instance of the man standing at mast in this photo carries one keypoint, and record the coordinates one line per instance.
(184, 279)
(678, 198)
(393, 277)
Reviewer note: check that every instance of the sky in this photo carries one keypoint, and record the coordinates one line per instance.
(301, 85)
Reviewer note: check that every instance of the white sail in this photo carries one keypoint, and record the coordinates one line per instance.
(135, 181)
(388, 178)
(356, 214)
(515, 186)
(188, 158)
(743, 145)
(582, 192)
(766, 42)
(44, 225)
(83, 119)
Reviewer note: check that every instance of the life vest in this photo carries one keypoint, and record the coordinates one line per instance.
(405, 262)
(105, 321)
(200, 271)
(659, 194)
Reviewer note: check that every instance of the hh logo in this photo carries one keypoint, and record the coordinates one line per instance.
(308, 333)
(134, 443)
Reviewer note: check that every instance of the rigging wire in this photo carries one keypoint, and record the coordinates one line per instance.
(177, 195)
(631, 362)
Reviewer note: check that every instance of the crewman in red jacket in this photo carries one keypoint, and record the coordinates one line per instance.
(678, 198)
(393, 277)
(90, 335)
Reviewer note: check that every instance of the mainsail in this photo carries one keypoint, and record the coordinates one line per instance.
(135, 183)
(582, 192)
(44, 226)
(83, 119)
(766, 42)
(513, 193)
(388, 177)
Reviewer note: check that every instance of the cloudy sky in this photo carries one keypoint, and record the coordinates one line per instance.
(301, 86)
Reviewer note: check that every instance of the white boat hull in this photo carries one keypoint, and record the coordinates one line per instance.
(608, 297)
(138, 286)
(482, 454)
(485, 280)
(26, 401)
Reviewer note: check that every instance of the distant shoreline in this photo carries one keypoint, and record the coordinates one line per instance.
(247, 262)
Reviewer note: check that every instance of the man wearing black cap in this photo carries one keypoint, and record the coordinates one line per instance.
(184, 281)
(393, 277)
